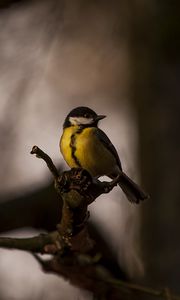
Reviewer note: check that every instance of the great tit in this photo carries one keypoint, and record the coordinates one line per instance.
(84, 145)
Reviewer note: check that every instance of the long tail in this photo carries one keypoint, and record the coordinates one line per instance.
(133, 192)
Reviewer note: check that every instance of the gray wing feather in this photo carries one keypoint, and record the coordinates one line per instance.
(107, 143)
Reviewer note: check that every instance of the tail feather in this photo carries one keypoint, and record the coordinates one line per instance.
(133, 192)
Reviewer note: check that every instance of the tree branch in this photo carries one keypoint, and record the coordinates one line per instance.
(36, 244)
(40, 154)
(74, 255)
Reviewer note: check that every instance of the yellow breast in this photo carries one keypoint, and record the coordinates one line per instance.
(90, 152)
(65, 146)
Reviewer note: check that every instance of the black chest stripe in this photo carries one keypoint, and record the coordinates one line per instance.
(73, 146)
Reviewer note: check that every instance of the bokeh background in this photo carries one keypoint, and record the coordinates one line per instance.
(121, 58)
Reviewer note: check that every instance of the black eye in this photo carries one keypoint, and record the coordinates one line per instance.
(86, 116)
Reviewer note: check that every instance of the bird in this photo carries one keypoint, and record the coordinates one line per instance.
(84, 145)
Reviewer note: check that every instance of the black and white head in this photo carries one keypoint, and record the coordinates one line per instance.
(82, 116)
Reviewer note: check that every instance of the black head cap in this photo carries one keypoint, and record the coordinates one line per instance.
(84, 112)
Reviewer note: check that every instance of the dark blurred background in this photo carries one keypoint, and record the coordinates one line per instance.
(121, 58)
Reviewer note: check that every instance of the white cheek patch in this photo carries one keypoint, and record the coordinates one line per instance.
(80, 120)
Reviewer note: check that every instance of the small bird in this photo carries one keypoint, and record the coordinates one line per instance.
(84, 145)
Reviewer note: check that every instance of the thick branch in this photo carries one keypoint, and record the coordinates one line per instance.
(78, 189)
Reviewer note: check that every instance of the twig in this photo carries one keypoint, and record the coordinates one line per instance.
(38, 244)
(40, 154)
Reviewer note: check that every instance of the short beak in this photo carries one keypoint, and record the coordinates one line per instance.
(100, 117)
